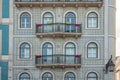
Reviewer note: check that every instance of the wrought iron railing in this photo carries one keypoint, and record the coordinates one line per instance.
(57, 59)
(58, 0)
(58, 27)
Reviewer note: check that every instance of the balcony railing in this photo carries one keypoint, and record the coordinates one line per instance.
(59, 3)
(58, 61)
(58, 29)
(58, 0)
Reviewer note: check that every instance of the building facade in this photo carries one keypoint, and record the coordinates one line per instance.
(63, 39)
(5, 38)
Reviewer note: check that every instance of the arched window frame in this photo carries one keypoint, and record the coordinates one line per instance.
(86, 22)
(48, 78)
(23, 74)
(47, 55)
(95, 77)
(70, 56)
(67, 78)
(47, 21)
(69, 27)
(20, 22)
(91, 20)
(20, 53)
(92, 48)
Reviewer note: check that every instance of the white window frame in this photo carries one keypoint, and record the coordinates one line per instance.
(86, 20)
(19, 51)
(19, 23)
(98, 45)
(93, 72)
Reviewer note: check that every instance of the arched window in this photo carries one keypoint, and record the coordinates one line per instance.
(70, 20)
(70, 0)
(24, 0)
(69, 76)
(92, 50)
(92, 76)
(47, 76)
(70, 51)
(47, 53)
(25, 20)
(25, 50)
(47, 21)
(92, 0)
(47, 0)
(92, 20)
(24, 76)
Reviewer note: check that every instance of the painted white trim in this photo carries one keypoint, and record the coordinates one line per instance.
(93, 35)
(0, 42)
(93, 66)
(25, 36)
(94, 72)
(5, 57)
(23, 67)
(24, 72)
(98, 19)
(70, 71)
(68, 12)
(48, 42)
(71, 42)
(86, 50)
(19, 19)
(46, 72)
(49, 12)
(19, 51)
(10, 71)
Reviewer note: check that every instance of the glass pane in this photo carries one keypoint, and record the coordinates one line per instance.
(24, 76)
(92, 0)
(70, 59)
(69, 76)
(25, 0)
(47, 76)
(25, 50)
(25, 20)
(89, 22)
(47, 0)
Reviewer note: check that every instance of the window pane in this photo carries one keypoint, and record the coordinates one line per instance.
(25, 50)
(24, 76)
(25, 21)
(69, 76)
(92, 20)
(47, 53)
(48, 19)
(70, 52)
(71, 19)
(47, 76)
(92, 76)
(92, 50)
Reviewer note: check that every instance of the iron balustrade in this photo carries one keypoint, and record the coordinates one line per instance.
(57, 59)
(58, 27)
(58, 0)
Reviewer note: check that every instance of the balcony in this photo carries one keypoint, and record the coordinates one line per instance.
(58, 61)
(58, 3)
(58, 30)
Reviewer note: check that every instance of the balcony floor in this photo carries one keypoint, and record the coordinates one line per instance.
(58, 65)
(58, 4)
